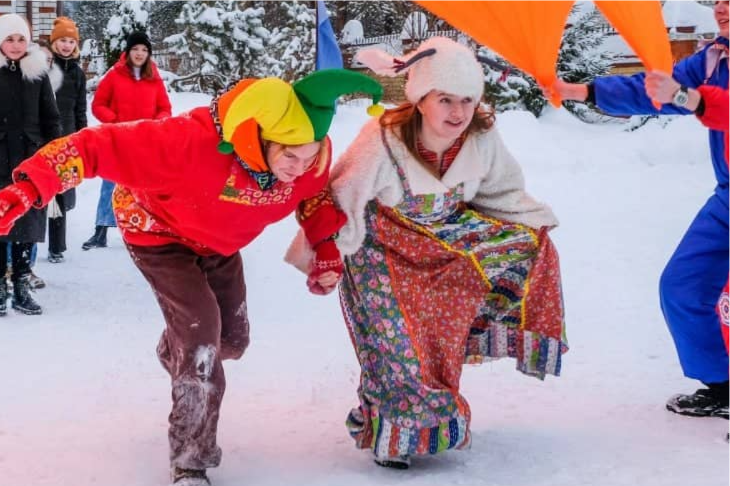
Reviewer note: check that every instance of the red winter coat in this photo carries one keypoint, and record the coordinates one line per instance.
(173, 186)
(716, 110)
(121, 98)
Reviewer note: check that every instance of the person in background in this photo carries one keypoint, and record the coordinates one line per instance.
(694, 275)
(69, 85)
(447, 257)
(28, 119)
(192, 190)
(131, 90)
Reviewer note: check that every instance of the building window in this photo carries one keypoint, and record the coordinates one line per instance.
(7, 6)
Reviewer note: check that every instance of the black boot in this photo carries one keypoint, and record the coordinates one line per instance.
(98, 240)
(705, 402)
(3, 297)
(22, 301)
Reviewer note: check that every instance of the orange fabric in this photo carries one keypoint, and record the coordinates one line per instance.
(641, 24)
(527, 34)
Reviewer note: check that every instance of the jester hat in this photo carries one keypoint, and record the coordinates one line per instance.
(289, 114)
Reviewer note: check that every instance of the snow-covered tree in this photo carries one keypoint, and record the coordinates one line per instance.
(131, 16)
(90, 16)
(163, 15)
(580, 60)
(228, 38)
(293, 42)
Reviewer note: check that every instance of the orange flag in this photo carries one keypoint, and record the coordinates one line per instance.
(641, 24)
(527, 34)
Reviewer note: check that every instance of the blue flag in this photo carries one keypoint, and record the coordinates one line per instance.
(328, 52)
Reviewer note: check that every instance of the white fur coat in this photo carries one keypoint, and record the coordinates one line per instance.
(493, 184)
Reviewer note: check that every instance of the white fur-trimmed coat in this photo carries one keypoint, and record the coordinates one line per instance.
(493, 184)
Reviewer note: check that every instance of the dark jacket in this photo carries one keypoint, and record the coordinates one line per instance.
(28, 119)
(69, 84)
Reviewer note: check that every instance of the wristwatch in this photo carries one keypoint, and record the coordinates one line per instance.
(681, 97)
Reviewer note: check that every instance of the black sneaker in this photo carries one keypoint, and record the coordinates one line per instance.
(55, 257)
(393, 462)
(189, 477)
(702, 403)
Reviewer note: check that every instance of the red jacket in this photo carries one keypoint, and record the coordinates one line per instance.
(175, 187)
(121, 98)
(716, 110)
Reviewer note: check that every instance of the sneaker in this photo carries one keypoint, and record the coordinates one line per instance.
(36, 282)
(702, 403)
(393, 462)
(189, 477)
(55, 257)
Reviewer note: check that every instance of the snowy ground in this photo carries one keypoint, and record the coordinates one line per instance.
(84, 401)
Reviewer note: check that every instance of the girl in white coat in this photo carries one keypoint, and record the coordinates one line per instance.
(447, 257)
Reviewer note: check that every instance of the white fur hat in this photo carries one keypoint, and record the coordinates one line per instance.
(13, 24)
(438, 64)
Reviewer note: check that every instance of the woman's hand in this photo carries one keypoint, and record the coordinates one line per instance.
(566, 91)
(327, 268)
(324, 283)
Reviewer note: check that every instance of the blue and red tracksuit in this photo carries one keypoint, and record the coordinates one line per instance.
(698, 269)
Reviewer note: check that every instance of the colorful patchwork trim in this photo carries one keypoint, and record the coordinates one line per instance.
(536, 354)
(391, 440)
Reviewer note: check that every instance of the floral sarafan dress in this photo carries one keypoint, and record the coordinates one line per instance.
(436, 285)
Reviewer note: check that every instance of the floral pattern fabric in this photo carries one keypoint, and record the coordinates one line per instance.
(436, 285)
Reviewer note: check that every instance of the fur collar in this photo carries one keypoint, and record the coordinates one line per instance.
(56, 77)
(33, 65)
(467, 166)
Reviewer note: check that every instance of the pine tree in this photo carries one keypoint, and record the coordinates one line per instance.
(90, 16)
(378, 18)
(229, 40)
(162, 17)
(579, 61)
(293, 42)
(131, 17)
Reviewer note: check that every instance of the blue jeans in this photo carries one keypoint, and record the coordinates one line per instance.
(104, 212)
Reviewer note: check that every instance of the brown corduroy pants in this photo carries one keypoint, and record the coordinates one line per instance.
(203, 300)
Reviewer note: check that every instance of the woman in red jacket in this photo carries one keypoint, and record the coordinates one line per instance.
(131, 90)
(192, 190)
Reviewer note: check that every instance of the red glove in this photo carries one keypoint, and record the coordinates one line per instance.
(15, 200)
(326, 259)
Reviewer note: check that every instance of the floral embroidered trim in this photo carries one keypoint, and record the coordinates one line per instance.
(254, 197)
(63, 156)
(311, 205)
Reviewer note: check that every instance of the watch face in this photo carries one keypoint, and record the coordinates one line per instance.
(680, 97)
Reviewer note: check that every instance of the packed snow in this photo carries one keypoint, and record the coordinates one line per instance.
(85, 402)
